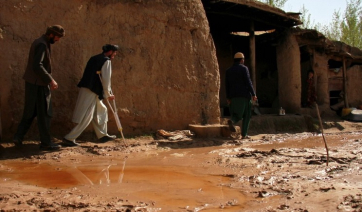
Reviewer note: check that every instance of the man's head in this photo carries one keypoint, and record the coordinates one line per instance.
(239, 57)
(54, 33)
(110, 50)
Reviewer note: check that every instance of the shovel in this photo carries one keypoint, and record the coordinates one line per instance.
(256, 107)
(118, 122)
(114, 111)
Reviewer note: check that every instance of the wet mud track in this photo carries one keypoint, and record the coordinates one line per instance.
(271, 172)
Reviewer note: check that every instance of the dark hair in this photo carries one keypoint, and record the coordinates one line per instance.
(237, 60)
(110, 47)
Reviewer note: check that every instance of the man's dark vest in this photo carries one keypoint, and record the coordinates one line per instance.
(90, 77)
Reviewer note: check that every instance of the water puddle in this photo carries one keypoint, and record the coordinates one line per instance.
(165, 184)
(60, 176)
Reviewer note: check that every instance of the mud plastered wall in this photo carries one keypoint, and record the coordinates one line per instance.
(289, 76)
(320, 68)
(165, 75)
(354, 87)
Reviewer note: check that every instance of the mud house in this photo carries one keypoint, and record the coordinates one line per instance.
(257, 30)
(337, 65)
(279, 56)
(173, 55)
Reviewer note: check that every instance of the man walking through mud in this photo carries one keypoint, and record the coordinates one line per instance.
(239, 92)
(38, 83)
(89, 107)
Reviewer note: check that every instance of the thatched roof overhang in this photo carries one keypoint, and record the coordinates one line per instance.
(236, 16)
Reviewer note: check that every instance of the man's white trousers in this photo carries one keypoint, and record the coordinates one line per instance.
(88, 109)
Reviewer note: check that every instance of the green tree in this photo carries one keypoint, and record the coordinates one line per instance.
(333, 31)
(351, 26)
(347, 27)
(305, 18)
(275, 3)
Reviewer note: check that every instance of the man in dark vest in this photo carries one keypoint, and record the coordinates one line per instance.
(38, 83)
(89, 107)
(239, 92)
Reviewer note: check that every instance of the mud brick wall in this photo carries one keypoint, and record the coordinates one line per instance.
(354, 86)
(320, 67)
(288, 57)
(165, 75)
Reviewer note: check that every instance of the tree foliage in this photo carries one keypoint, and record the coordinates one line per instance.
(305, 18)
(333, 31)
(351, 25)
(345, 27)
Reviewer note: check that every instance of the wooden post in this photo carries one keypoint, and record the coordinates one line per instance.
(1, 131)
(321, 126)
(346, 105)
(252, 54)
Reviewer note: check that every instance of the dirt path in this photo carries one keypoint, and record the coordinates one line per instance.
(271, 172)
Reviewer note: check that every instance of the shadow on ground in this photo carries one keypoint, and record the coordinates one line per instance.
(27, 150)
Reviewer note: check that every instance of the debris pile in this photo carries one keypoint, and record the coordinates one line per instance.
(173, 136)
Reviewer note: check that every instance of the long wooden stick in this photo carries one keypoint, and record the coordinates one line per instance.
(114, 111)
(118, 122)
(324, 139)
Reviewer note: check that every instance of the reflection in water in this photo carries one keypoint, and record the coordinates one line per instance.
(104, 174)
(55, 176)
(120, 178)
(80, 176)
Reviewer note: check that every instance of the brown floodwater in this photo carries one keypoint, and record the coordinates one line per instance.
(168, 177)
(153, 178)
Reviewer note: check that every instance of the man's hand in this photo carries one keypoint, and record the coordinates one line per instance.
(53, 85)
(255, 98)
(111, 97)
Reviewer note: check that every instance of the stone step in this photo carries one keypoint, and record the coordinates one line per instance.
(261, 124)
(210, 131)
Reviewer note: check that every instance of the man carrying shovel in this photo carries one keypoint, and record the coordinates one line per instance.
(89, 107)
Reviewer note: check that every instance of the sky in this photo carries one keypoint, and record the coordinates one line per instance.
(321, 11)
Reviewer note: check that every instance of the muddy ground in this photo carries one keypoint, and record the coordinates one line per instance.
(270, 172)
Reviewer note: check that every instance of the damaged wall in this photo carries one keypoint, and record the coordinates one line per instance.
(164, 76)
